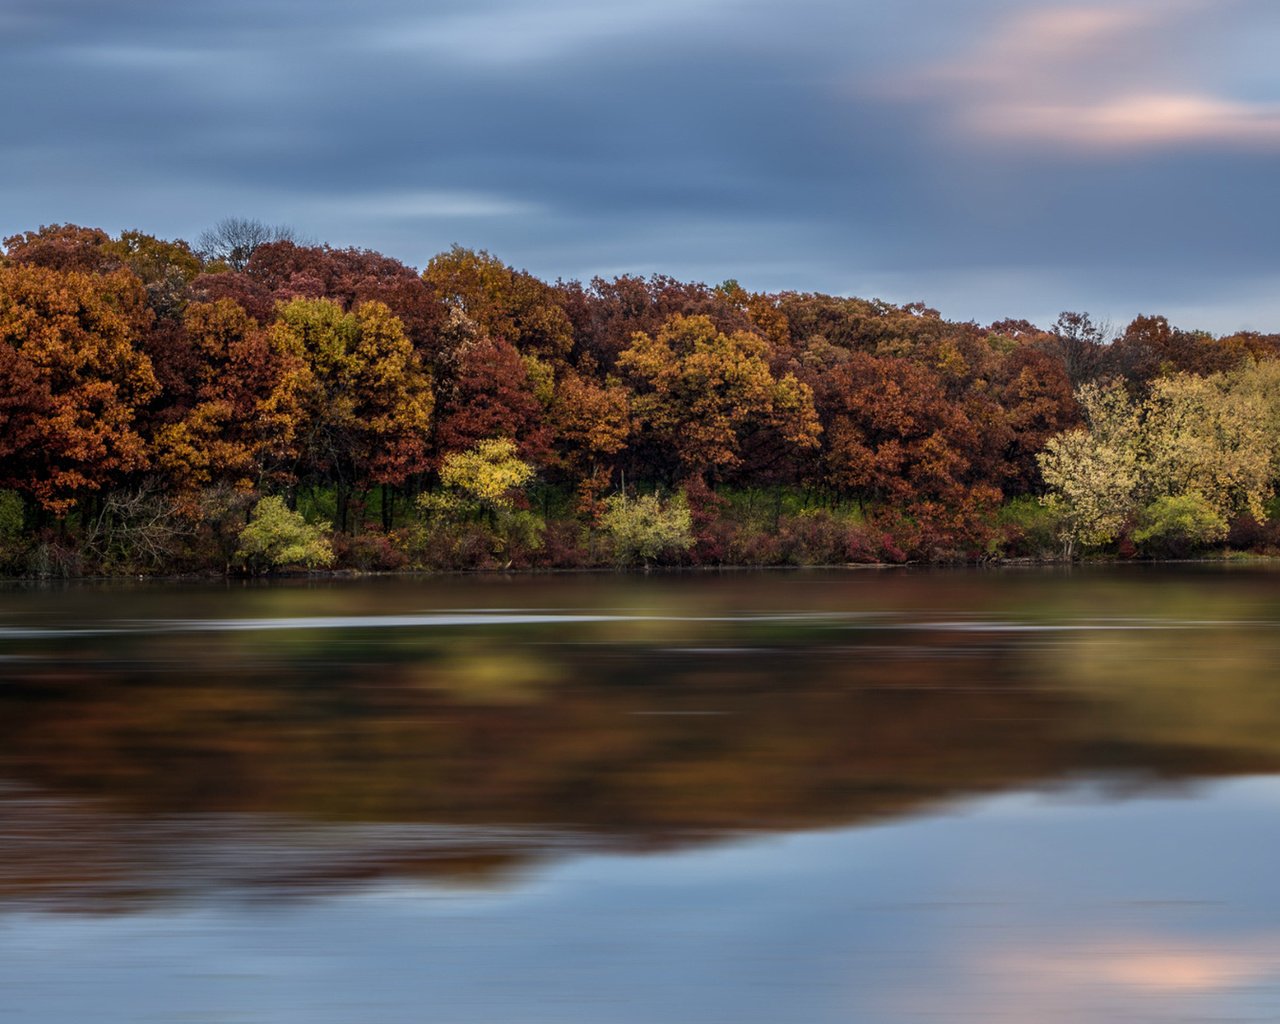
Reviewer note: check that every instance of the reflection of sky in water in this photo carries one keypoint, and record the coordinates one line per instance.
(1021, 907)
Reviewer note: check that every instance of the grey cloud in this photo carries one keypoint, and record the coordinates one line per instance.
(820, 144)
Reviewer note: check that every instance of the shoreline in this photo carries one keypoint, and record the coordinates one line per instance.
(1230, 559)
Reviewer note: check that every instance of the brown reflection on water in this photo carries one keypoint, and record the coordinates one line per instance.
(151, 749)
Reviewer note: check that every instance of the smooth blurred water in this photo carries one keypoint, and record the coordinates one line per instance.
(814, 796)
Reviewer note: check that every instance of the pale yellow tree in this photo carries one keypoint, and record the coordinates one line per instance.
(1201, 438)
(1093, 475)
(1258, 384)
(1196, 452)
(1093, 486)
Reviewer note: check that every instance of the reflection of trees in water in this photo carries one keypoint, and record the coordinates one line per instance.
(572, 744)
(1209, 690)
(76, 855)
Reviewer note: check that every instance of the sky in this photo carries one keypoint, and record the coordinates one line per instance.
(991, 158)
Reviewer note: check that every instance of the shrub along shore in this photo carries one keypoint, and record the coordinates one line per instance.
(252, 404)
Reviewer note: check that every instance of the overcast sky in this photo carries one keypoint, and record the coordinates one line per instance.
(992, 158)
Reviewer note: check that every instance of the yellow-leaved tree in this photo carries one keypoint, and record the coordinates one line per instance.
(487, 475)
(363, 395)
(483, 485)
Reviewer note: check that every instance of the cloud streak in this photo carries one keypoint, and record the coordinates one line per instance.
(1134, 121)
(1090, 77)
(429, 204)
(514, 35)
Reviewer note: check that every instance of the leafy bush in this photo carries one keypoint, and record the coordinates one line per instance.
(370, 552)
(753, 546)
(275, 536)
(718, 542)
(647, 529)
(812, 538)
(1247, 534)
(1174, 525)
(1029, 528)
(563, 546)
(864, 546)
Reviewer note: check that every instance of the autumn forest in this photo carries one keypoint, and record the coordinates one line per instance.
(255, 403)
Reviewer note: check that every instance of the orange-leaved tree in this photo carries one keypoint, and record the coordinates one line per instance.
(893, 435)
(75, 380)
(504, 303)
(699, 395)
(240, 419)
(592, 423)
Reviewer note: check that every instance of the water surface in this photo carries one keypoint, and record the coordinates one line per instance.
(812, 796)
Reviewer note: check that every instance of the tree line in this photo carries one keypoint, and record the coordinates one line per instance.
(257, 401)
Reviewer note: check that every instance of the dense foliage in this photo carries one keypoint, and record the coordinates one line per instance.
(153, 396)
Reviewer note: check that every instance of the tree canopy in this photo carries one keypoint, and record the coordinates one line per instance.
(195, 381)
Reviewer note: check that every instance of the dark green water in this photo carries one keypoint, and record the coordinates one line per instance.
(836, 796)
